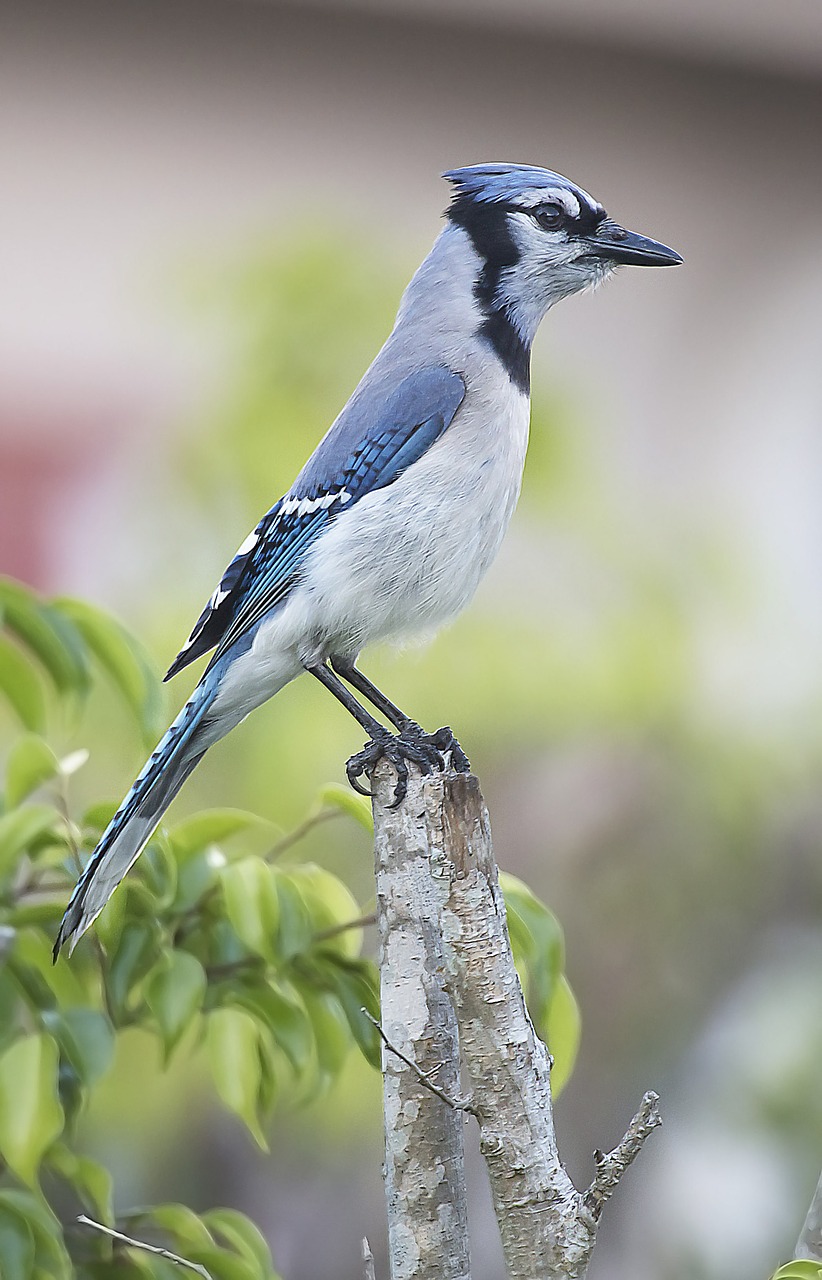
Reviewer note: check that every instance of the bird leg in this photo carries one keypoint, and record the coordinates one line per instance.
(374, 695)
(444, 739)
(427, 751)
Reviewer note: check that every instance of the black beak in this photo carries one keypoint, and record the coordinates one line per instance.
(612, 243)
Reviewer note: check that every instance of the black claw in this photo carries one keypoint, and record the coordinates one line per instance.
(428, 751)
(448, 745)
(353, 769)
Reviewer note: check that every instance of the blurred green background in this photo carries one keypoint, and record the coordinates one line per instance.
(199, 288)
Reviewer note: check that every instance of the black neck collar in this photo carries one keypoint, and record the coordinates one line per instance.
(487, 226)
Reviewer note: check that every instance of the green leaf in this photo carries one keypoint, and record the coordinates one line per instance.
(296, 928)
(134, 956)
(269, 1074)
(9, 1009)
(16, 1245)
(356, 986)
(91, 1182)
(174, 994)
(799, 1270)
(330, 903)
(195, 877)
(31, 762)
(240, 1232)
(252, 904)
(158, 870)
(561, 1031)
(85, 1038)
(188, 1235)
(50, 1257)
(20, 829)
(150, 1267)
(97, 817)
(210, 827)
(22, 685)
(47, 634)
(282, 1012)
(123, 658)
(331, 1034)
(537, 941)
(184, 1227)
(30, 1113)
(43, 983)
(234, 1057)
(36, 913)
(348, 802)
(133, 903)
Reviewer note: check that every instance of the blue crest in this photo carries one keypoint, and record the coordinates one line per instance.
(500, 183)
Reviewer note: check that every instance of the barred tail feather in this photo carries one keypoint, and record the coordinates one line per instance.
(178, 752)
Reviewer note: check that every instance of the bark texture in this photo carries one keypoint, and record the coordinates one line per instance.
(424, 1159)
(445, 949)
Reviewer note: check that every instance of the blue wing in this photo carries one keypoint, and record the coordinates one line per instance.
(361, 453)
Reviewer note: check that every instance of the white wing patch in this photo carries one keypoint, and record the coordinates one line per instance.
(307, 506)
(249, 544)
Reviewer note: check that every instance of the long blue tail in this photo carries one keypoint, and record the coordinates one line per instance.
(182, 746)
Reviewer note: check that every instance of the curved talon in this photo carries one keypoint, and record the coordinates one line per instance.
(364, 762)
(428, 751)
(353, 769)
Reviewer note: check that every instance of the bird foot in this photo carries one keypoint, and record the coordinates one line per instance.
(428, 751)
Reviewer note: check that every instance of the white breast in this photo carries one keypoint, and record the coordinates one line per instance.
(410, 556)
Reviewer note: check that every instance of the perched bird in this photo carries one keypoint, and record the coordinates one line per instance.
(394, 519)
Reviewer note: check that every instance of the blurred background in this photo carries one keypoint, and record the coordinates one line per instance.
(210, 210)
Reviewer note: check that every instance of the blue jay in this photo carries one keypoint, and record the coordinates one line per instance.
(397, 515)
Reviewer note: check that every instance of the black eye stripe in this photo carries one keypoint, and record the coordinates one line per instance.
(554, 217)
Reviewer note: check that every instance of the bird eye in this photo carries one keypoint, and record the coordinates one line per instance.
(549, 216)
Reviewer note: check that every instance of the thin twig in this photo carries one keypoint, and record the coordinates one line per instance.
(612, 1164)
(360, 923)
(62, 802)
(149, 1248)
(368, 1260)
(245, 964)
(294, 837)
(40, 890)
(456, 1104)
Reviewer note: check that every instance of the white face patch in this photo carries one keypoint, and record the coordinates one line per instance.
(550, 195)
(568, 200)
(552, 265)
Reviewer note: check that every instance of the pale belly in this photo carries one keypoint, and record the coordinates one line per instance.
(410, 557)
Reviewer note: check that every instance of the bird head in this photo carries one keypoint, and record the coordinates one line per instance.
(540, 238)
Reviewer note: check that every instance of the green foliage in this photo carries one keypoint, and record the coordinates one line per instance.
(212, 944)
(59, 644)
(31, 1116)
(799, 1270)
